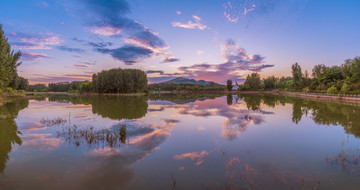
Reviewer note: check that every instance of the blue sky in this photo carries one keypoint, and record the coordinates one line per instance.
(211, 40)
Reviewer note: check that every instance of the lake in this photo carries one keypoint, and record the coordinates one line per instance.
(184, 141)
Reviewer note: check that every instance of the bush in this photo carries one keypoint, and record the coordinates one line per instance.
(9, 90)
(345, 88)
(332, 90)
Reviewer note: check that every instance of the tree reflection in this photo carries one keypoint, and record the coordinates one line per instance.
(229, 99)
(252, 101)
(113, 107)
(297, 111)
(328, 113)
(9, 133)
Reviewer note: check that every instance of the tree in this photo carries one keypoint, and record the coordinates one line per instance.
(317, 70)
(269, 83)
(253, 81)
(86, 86)
(297, 76)
(120, 81)
(9, 61)
(229, 85)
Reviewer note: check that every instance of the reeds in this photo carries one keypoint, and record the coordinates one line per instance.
(346, 160)
(53, 122)
(92, 137)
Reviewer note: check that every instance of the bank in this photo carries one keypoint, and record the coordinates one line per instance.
(332, 97)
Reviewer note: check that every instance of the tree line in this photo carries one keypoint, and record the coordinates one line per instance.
(107, 81)
(326, 79)
(10, 81)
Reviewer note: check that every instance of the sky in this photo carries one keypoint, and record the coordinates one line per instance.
(212, 40)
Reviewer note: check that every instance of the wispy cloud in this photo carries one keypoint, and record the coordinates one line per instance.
(99, 44)
(29, 56)
(190, 24)
(33, 41)
(200, 52)
(178, 12)
(81, 66)
(51, 78)
(170, 59)
(106, 30)
(235, 10)
(42, 4)
(69, 49)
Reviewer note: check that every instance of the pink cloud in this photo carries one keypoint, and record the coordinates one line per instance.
(30, 56)
(190, 24)
(34, 41)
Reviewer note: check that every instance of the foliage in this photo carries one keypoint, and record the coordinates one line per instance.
(229, 85)
(59, 87)
(345, 88)
(9, 61)
(120, 81)
(86, 86)
(332, 90)
(269, 83)
(345, 78)
(297, 76)
(38, 88)
(253, 81)
(19, 83)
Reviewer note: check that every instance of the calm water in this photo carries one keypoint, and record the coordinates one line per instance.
(179, 142)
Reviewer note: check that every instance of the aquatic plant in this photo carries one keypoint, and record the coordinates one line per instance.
(91, 137)
(53, 122)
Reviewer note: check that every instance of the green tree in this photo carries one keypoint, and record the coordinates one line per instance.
(297, 76)
(269, 83)
(120, 81)
(253, 81)
(229, 85)
(9, 61)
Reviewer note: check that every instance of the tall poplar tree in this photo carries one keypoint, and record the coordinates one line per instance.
(9, 61)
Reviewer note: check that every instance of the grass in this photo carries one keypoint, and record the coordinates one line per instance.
(92, 137)
(346, 160)
(53, 122)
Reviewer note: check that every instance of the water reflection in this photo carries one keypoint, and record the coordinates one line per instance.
(192, 141)
(327, 113)
(9, 133)
(113, 107)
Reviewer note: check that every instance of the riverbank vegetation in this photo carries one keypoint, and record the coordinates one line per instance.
(343, 79)
(11, 84)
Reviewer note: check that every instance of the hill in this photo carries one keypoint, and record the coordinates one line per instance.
(182, 80)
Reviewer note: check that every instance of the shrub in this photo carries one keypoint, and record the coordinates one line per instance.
(345, 88)
(332, 90)
(9, 90)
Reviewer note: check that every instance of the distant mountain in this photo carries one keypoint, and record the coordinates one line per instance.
(182, 80)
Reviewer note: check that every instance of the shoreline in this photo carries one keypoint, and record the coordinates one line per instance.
(323, 96)
(346, 98)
